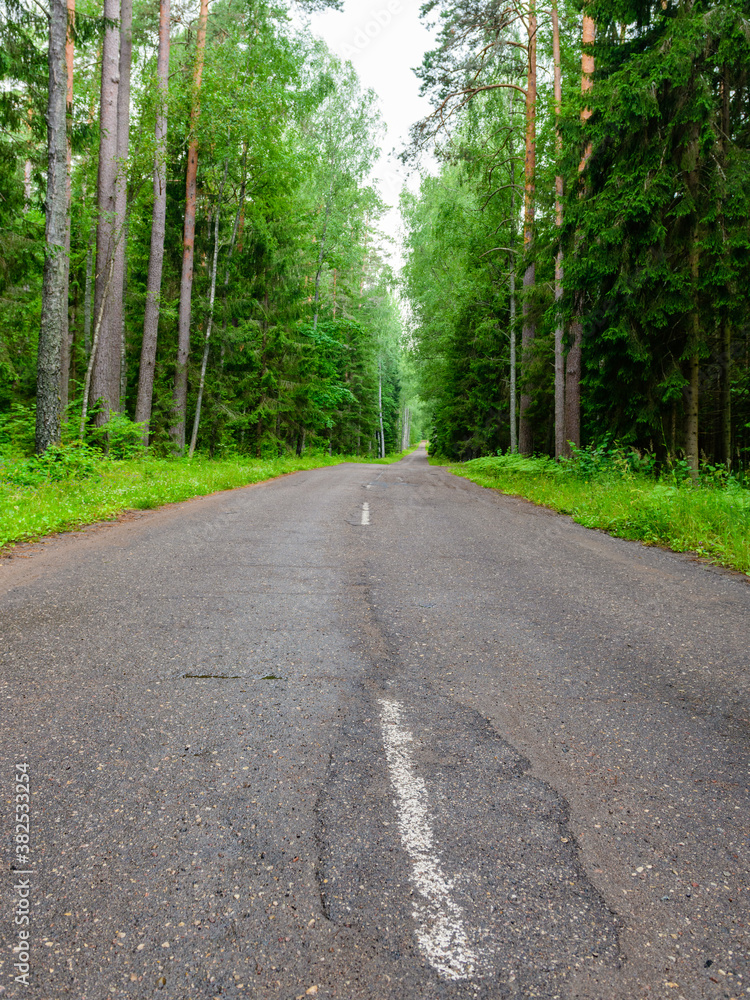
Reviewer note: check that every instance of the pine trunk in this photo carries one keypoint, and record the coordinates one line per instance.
(55, 286)
(528, 333)
(158, 229)
(726, 329)
(574, 359)
(188, 245)
(693, 377)
(66, 337)
(691, 416)
(512, 282)
(726, 394)
(105, 375)
(572, 418)
(692, 161)
(121, 196)
(559, 330)
(87, 293)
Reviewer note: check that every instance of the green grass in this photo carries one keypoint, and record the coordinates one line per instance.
(711, 519)
(31, 511)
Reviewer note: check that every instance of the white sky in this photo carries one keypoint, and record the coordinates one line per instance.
(384, 40)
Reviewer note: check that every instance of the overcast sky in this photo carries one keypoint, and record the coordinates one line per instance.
(384, 40)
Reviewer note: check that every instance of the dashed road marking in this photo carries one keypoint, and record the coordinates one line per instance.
(440, 927)
(365, 513)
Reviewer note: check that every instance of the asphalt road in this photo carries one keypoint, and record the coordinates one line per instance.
(372, 732)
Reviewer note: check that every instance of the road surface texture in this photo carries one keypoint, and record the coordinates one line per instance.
(372, 733)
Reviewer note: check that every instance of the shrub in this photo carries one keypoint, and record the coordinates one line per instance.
(120, 437)
(67, 461)
(17, 431)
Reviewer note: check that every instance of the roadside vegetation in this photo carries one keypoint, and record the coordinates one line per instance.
(621, 492)
(75, 484)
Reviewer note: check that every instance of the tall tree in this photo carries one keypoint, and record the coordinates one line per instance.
(106, 351)
(121, 196)
(158, 228)
(55, 285)
(66, 336)
(528, 332)
(188, 243)
(573, 373)
(559, 328)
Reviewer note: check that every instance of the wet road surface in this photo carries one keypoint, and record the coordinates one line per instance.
(372, 732)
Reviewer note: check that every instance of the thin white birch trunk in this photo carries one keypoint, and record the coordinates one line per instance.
(209, 322)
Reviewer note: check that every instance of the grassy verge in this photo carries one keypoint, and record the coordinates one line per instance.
(108, 488)
(710, 519)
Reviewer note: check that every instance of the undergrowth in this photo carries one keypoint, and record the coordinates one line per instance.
(619, 492)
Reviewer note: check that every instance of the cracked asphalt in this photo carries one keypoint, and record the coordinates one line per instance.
(469, 749)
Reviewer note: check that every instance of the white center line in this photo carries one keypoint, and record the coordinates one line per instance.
(439, 920)
(365, 513)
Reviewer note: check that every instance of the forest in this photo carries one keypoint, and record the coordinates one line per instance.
(191, 255)
(577, 271)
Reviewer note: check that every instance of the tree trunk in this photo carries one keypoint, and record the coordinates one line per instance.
(121, 196)
(526, 441)
(726, 393)
(559, 358)
(513, 365)
(380, 408)
(94, 348)
(27, 163)
(691, 416)
(587, 76)
(188, 244)
(726, 329)
(54, 287)
(66, 337)
(105, 378)
(572, 420)
(158, 229)
(693, 386)
(575, 353)
(692, 162)
(87, 293)
(209, 323)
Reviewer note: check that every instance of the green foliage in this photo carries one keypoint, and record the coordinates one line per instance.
(120, 438)
(58, 463)
(655, 237)
(657, 244)
(456, 279)
(17, 430)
